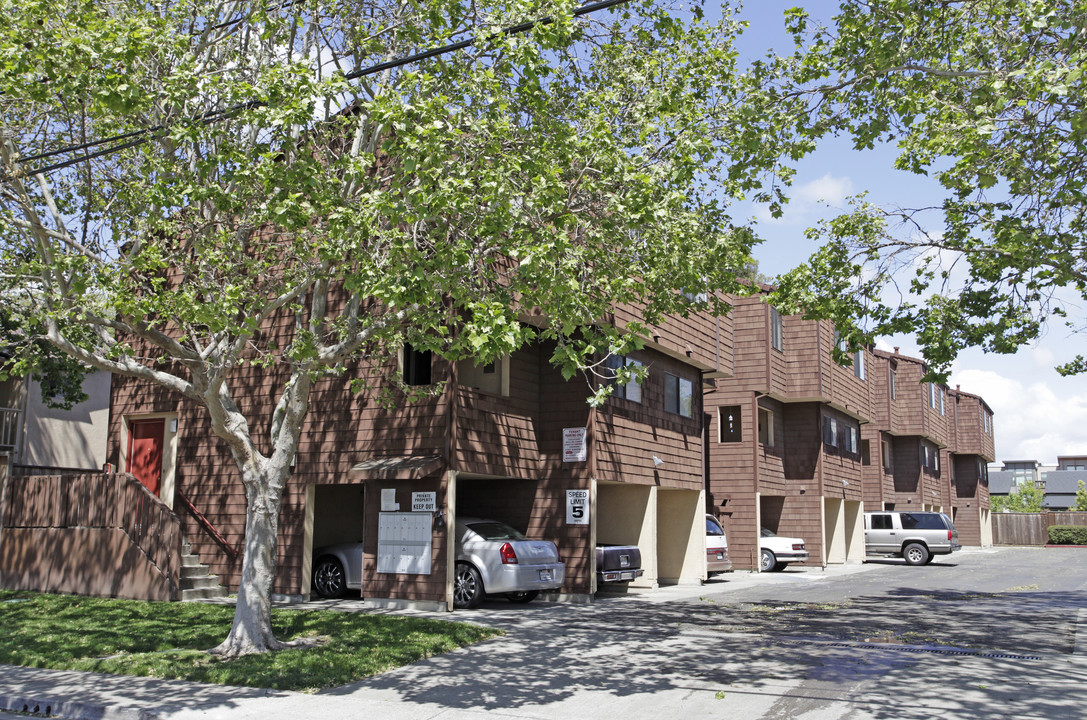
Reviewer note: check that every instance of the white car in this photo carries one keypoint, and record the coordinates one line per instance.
(777, 552)
(717, 559)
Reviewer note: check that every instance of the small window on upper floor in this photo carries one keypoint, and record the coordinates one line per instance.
(932, 395)
(830, 431)
(766, 426)
(777, 336)
(492, 377)
(888, 460)
(942, 394)
(678, 395)
(894, 392)
(866, 452)
(729, 427)
(631, 390)
(415, 365)
(858, 364)
(930, 458)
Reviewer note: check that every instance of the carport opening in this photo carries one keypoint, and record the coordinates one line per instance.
(506, 499)
(770, 511)
(337, 514)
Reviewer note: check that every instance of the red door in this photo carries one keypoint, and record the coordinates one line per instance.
(145, 451)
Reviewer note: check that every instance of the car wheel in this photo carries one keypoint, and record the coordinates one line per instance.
(467, 587)
(329, 579)
(767, 561)
(915, 554)
(522, 597)
(778, 567)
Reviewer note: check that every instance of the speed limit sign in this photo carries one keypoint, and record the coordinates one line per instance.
(577, 507)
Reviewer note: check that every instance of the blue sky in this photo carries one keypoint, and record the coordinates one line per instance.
(1038, 414)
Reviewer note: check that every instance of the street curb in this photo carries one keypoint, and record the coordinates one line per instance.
(48, 707)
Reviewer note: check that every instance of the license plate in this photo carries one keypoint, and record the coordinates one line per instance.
(720, 556)
(626, 576)
(545, 575)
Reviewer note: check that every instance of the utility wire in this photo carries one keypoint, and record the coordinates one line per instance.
(153, 133)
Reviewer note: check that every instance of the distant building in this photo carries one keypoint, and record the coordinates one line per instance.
(38, 439)
(1059, 482)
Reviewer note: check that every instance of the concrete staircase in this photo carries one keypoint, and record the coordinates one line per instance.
(196, 582)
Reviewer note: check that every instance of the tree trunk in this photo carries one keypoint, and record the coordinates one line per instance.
(252, 629)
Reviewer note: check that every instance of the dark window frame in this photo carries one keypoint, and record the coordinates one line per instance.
(416, 366)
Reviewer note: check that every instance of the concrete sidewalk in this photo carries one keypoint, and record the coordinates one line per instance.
(555, 659)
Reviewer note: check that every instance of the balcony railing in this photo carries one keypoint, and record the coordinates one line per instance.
(9, 427)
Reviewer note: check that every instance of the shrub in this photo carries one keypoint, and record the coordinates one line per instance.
(1068, 534)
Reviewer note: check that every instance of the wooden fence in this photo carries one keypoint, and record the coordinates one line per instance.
(1031, 528)
(91, 534)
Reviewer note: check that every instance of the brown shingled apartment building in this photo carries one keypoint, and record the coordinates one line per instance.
(802, 446)
(785, 438)
(746, 417)
(511, 441)
(929, 448)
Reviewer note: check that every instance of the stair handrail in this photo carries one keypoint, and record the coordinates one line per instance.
(207, 526)
(148, 522)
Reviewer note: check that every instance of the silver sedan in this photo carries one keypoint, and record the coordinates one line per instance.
(494, 558)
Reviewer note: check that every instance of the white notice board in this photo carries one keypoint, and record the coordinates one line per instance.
(404, 542)
(573, 445)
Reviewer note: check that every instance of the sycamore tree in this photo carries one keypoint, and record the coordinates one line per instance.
(988, 98)
(178, 175)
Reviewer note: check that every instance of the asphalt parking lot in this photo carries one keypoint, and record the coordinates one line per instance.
(980, 634)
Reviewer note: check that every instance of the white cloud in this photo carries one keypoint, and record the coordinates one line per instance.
(829, 189)
(807, 200)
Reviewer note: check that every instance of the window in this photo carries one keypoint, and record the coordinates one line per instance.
(894, 394)
(866, 453)
(830, 431)
(777, 337)
(729, 428)
(858, 364)
(941, 392)
(888, 460)
(882, 522)
(930, 458)
(631, 390)
(492, 377)
(678, 395)
(932, 395)
(415, 365)
(766, 426)
(843, 435)
(922, 521)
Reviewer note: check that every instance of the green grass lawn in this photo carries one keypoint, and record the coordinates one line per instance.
(170, 640)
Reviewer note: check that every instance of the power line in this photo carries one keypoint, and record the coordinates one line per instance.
(153, 133)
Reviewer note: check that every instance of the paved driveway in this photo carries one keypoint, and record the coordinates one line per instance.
(982, 634)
